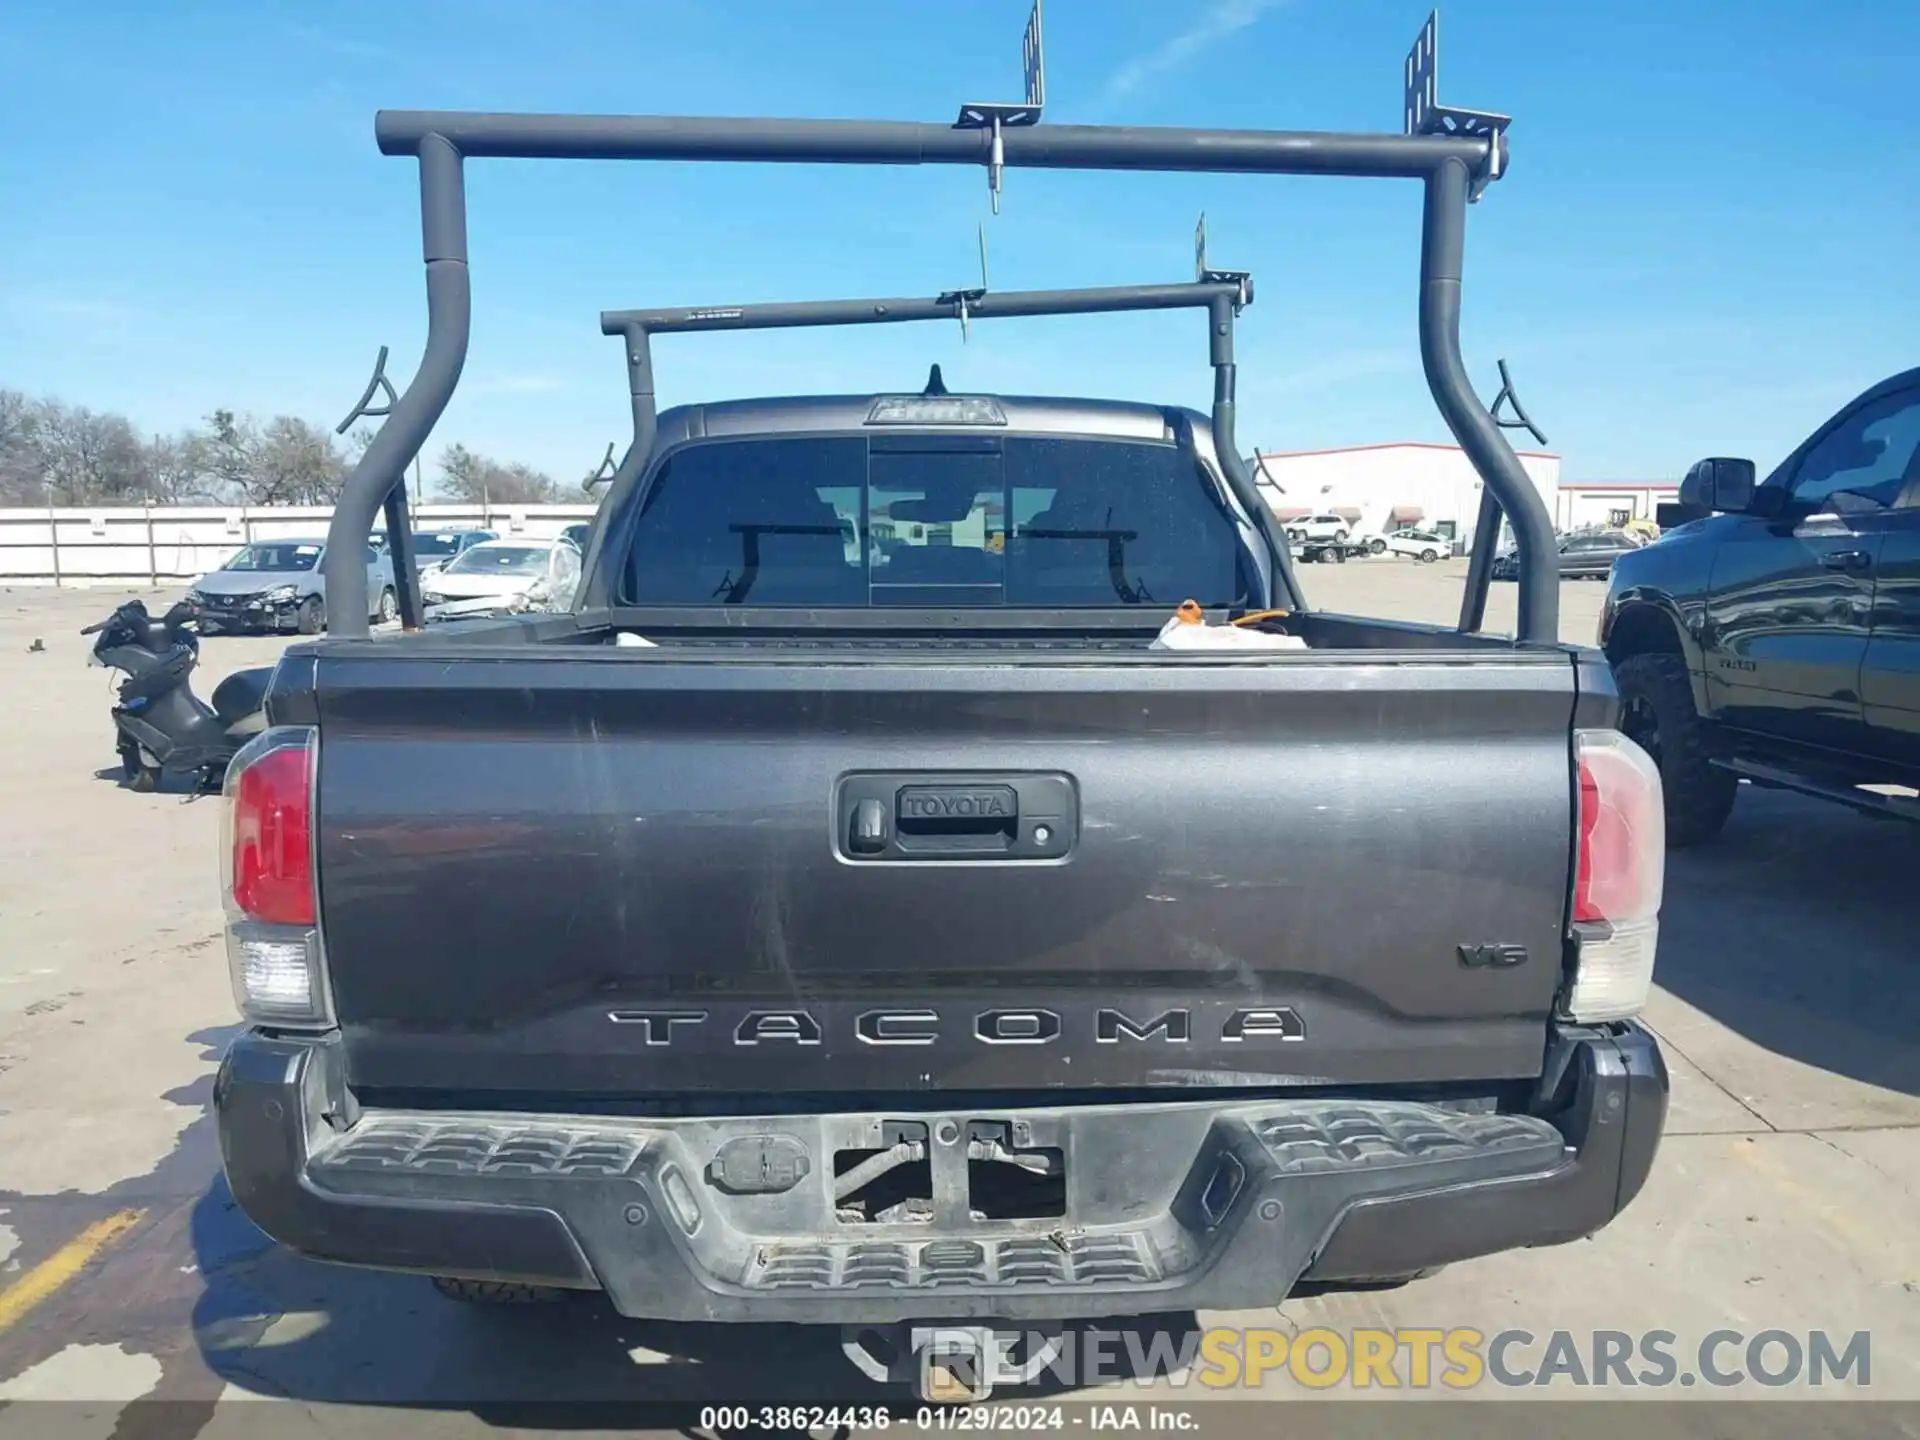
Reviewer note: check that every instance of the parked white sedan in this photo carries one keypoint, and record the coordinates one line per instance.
(1421, 545)
(503, 577)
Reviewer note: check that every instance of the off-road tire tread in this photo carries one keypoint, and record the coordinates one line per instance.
(1699, 797)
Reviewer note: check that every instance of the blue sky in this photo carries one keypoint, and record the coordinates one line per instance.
(1706, 241)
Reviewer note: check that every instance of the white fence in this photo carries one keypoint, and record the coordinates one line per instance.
(160, 544)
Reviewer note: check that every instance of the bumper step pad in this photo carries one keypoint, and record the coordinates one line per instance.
(1189, 1203)
(1119, 1259)
(1313, 1137)
(1316, 1153)
(483, 1146)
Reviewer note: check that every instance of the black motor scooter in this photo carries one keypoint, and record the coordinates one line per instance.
(162, 724)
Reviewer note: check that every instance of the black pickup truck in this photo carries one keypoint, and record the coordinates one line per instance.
(1772, 633)
(848, 913)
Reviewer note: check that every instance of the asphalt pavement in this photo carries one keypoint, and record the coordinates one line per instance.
(1784, 1198)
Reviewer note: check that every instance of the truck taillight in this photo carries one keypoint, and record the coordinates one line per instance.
(272, 811)
(273, 945)
(1619, 872)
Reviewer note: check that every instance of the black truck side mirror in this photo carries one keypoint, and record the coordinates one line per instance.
(1720, 484)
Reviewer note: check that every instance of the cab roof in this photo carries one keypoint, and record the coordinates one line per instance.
(1025, 415)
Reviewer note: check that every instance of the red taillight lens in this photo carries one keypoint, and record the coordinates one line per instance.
(1622, 853)
(272, 858)
(1583, 906)
(1619, 869)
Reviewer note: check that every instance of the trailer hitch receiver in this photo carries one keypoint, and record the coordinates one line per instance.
(951, 1364)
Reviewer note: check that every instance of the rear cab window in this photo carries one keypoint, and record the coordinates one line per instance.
(935, 521)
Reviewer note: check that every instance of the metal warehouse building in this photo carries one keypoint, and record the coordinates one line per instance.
(1434, 487)
(1389, 486)
(1611, 502)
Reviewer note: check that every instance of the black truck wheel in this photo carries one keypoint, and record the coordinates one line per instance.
(496, 1292)
(1657, 714)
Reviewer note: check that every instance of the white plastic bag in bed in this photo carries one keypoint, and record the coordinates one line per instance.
(1189, 630)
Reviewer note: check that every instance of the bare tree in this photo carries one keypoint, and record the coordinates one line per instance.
(89, 458)
(181, 470)
(229, 443)
(295, 463)
(57, 454)
(20, 482)
(475, 478)
(284, 462)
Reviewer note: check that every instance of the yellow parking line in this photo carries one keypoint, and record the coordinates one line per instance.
(1762, 1158)
(61, 1266)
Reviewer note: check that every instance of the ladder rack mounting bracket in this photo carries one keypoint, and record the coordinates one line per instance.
(1425, 115)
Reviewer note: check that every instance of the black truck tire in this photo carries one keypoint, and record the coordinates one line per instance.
(496, 1292)
(1656, 699)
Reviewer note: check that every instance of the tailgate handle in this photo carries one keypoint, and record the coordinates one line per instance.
(957, 816)
(956, 819)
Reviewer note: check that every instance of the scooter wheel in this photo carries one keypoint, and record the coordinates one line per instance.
(135, 773)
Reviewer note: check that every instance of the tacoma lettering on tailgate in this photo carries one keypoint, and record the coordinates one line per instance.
(1022, 1026)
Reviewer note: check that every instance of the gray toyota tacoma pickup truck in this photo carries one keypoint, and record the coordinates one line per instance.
(848, 914)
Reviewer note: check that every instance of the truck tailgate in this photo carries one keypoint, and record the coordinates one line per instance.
(579, 873)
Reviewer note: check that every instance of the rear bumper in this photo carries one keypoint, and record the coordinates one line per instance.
(1191, 1205)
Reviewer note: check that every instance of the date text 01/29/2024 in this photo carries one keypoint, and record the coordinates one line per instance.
(1009, 1418)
